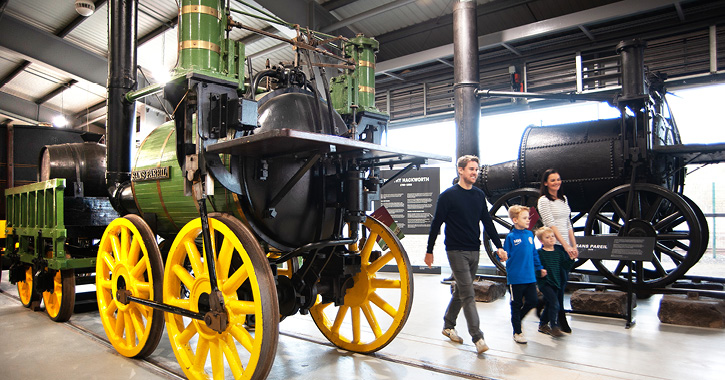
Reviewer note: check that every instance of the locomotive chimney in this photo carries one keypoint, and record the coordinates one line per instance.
(465, 72)
(633, 81)
(122, 29)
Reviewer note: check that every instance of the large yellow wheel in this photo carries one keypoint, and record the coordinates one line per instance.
(59, 304)
(383, 299)
(26, 288)
(246, 282)
(129, 259)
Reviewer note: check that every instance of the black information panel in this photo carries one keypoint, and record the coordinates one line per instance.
(411, 199)
(615, 247)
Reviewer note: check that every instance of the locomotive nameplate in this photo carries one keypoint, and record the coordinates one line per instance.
(152, 174)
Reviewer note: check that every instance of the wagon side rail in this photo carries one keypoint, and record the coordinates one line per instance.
(35, 227)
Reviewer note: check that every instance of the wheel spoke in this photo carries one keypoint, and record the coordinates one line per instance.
(185, 337)
(144, 289)
(137, 321)
(502, 222)
(230, 352)
(370, 316)
(109, 261)
(243, 336)
(620, 267)
(235, 281)
(130, 332)
(674, 255)
(134, 251)
(652, 212)
(612, 224)
(120, 323)
(224, 257)
(674, 236)
(355, 314)
(202, 351)
(182, 303)
(385, 283)
(674, 219)
(368, 248)
(140, 268)
(618, 210)
(341, 312)
(658, 266)
(382, 304)
(194, 257)
(183, 275)
(125, 243)
(217, 359)
(116, 248)
(380, 262)
(242, 307)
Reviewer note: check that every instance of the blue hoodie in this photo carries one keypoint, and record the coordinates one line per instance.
(523, 259)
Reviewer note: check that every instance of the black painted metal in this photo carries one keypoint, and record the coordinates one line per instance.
(79, 163)
(122, 31)
(465, 58)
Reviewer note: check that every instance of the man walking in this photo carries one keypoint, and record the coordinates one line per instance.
(462, 207)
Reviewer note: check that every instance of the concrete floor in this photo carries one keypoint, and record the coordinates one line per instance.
(34, 347)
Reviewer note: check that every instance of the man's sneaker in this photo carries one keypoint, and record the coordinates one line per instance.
(520, 338)
(545, 329)
(452, 335)
(481, 346)
(556, 332)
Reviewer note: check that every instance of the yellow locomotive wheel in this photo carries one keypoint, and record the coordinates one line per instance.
(382, 300)
(129, 259)
(59, 304)
(245, 279)
(26, 288)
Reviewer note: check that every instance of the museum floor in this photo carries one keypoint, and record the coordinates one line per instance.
(34, 347)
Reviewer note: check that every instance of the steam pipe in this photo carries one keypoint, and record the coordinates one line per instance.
(538, 95)
(122, 31)
(465, 72)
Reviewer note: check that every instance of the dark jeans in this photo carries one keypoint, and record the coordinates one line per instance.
(550, 314)
(523, 299)
(464, 265)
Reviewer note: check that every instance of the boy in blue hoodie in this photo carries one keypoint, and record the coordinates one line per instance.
(521, 266)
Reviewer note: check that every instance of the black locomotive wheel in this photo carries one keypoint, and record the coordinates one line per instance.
(646, 210)
(704, 228)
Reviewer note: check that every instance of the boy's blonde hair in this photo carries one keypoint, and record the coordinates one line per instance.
(515, 210)
(543, 231)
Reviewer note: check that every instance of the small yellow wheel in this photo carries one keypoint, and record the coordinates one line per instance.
(26, 288)
(129, 259)
(59, 304)
(391, 295)
(245, 279)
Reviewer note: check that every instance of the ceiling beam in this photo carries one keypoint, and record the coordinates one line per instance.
(557, 24)
(45, 47)
(364, 15)
(58, 90)
(335, 4)
(25, 110)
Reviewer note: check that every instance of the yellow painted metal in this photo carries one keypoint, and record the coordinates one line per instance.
(247, 285)
(200, 9)
(26, 290)
(384, 299)
(366, 64)
(199, 44)
(366, 89)
(59, 303)
(128, 258)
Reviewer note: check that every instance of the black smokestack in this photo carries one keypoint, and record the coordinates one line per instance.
(465, 71)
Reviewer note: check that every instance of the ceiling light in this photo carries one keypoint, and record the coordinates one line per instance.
(59, 121)
(85, 7)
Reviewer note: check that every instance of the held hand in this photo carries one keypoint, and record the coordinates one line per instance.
(429, 260)
(502, 255)
(543, 273)
(573, 252)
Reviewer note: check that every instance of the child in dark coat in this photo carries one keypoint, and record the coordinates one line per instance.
(556, 262)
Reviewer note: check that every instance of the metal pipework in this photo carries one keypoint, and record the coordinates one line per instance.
(538, 95)
(465, 72)
(633, 80)
(122, 30)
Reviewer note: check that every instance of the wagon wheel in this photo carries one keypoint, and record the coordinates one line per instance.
(26, 288)
(654, 212)
(129, 259)
(392, 294)
(242, 269)
(704, 228)
(59, 304)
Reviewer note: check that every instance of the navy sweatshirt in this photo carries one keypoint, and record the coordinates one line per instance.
(462, 211)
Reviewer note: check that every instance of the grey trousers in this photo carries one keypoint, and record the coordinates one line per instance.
(464, 265)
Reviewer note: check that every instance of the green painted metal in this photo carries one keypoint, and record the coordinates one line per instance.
(165, 197)
(355, 90)
(35, 220)
(200, 35)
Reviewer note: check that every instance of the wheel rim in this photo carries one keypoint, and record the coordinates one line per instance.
(242, 268)
(26, 290)
(657, 212)
(59, 304)
(343, 325)
(128, 258)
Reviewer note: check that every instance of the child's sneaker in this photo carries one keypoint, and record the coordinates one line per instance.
(556, 332)
(452, 335)
(481, 346)
(520, 338)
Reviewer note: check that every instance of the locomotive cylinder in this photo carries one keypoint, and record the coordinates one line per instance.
(588, 156)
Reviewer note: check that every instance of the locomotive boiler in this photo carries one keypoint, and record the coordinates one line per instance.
(622, 177)
(249, 206)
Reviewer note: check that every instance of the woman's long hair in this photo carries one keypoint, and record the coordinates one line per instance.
(543, 189)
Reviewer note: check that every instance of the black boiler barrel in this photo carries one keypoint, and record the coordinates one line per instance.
(587, 155)
(85, 161)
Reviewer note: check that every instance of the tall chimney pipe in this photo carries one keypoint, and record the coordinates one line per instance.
(465, 72)
(122, 31)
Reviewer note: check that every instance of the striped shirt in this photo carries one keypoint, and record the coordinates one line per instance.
(557, 263)
(556, 214)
